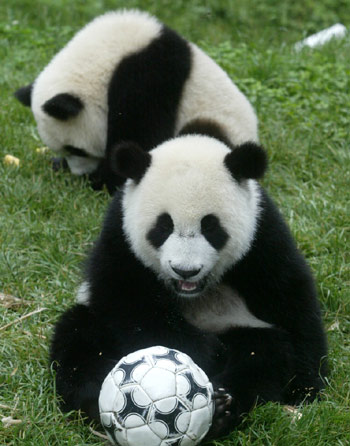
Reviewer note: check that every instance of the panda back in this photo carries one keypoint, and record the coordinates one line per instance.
(86, 63)
(210, 94)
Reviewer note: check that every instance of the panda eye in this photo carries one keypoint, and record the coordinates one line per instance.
(209, 223)
(213, 231)
(161, 230)
(165, 222)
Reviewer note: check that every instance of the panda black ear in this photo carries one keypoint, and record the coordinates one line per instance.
(247, 161)
(24, 95)
(63, 106)
(129, 160)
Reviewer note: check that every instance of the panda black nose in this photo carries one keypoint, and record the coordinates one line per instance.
(186, 273)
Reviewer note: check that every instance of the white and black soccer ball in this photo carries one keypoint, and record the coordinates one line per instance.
(156, 397)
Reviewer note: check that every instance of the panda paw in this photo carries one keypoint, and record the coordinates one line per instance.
(225, 415)
(59, 164)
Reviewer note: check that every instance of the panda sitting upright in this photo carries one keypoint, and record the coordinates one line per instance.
(126, 76)
(195, 256)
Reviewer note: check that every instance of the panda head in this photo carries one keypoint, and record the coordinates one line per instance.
(190, 207)
(71, 124)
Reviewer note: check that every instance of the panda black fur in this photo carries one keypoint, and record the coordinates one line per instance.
(194, 255)
(125, 76)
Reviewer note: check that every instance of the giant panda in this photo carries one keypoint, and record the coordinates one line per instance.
(127, 77)
(194, 255)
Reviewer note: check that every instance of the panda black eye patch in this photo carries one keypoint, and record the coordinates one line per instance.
(163, 227)
(76, 152)
(213, 231)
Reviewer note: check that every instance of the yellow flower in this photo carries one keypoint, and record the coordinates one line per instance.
(41, 150)
(11, 160)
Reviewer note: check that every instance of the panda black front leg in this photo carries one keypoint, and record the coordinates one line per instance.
(259, 368)
(83, 351)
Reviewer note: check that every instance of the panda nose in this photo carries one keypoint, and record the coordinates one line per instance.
(186, 273)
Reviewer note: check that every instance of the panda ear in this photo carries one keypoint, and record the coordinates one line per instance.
(63, 106)
(129, 160)
(247, 161)
(24, 94)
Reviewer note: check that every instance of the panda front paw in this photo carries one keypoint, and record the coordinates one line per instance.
(59, 164)
(226, 413)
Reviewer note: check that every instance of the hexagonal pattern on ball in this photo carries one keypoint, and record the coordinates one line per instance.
(156, 396)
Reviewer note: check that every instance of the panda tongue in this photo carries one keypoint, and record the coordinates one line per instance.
(188, 286)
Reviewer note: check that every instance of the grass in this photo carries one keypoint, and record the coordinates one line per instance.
(49, 220)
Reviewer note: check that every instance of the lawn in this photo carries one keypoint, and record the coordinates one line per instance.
(49, 220)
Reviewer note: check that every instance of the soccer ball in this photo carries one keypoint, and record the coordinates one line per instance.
(156, 397)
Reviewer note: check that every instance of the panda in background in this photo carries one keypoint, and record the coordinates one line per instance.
(127, 77)
(194, 255)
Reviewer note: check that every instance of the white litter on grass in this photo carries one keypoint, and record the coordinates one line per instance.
(294, 412)
(9, 421)
(335, 326)
(338, 30)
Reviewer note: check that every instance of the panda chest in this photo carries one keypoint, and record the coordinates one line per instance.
(221, 310)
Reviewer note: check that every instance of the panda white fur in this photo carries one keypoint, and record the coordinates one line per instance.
(127, 77)
(194, 255)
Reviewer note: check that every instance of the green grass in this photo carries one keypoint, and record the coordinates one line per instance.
(49, 220)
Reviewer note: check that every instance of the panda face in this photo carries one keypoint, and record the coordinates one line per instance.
(187, 218)
(78, 135)
(187, 253)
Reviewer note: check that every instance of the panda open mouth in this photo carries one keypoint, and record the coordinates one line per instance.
(186, 288)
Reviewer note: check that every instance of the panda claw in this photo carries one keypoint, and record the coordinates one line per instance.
(222, 394)
(224, 399)
(229, 399)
